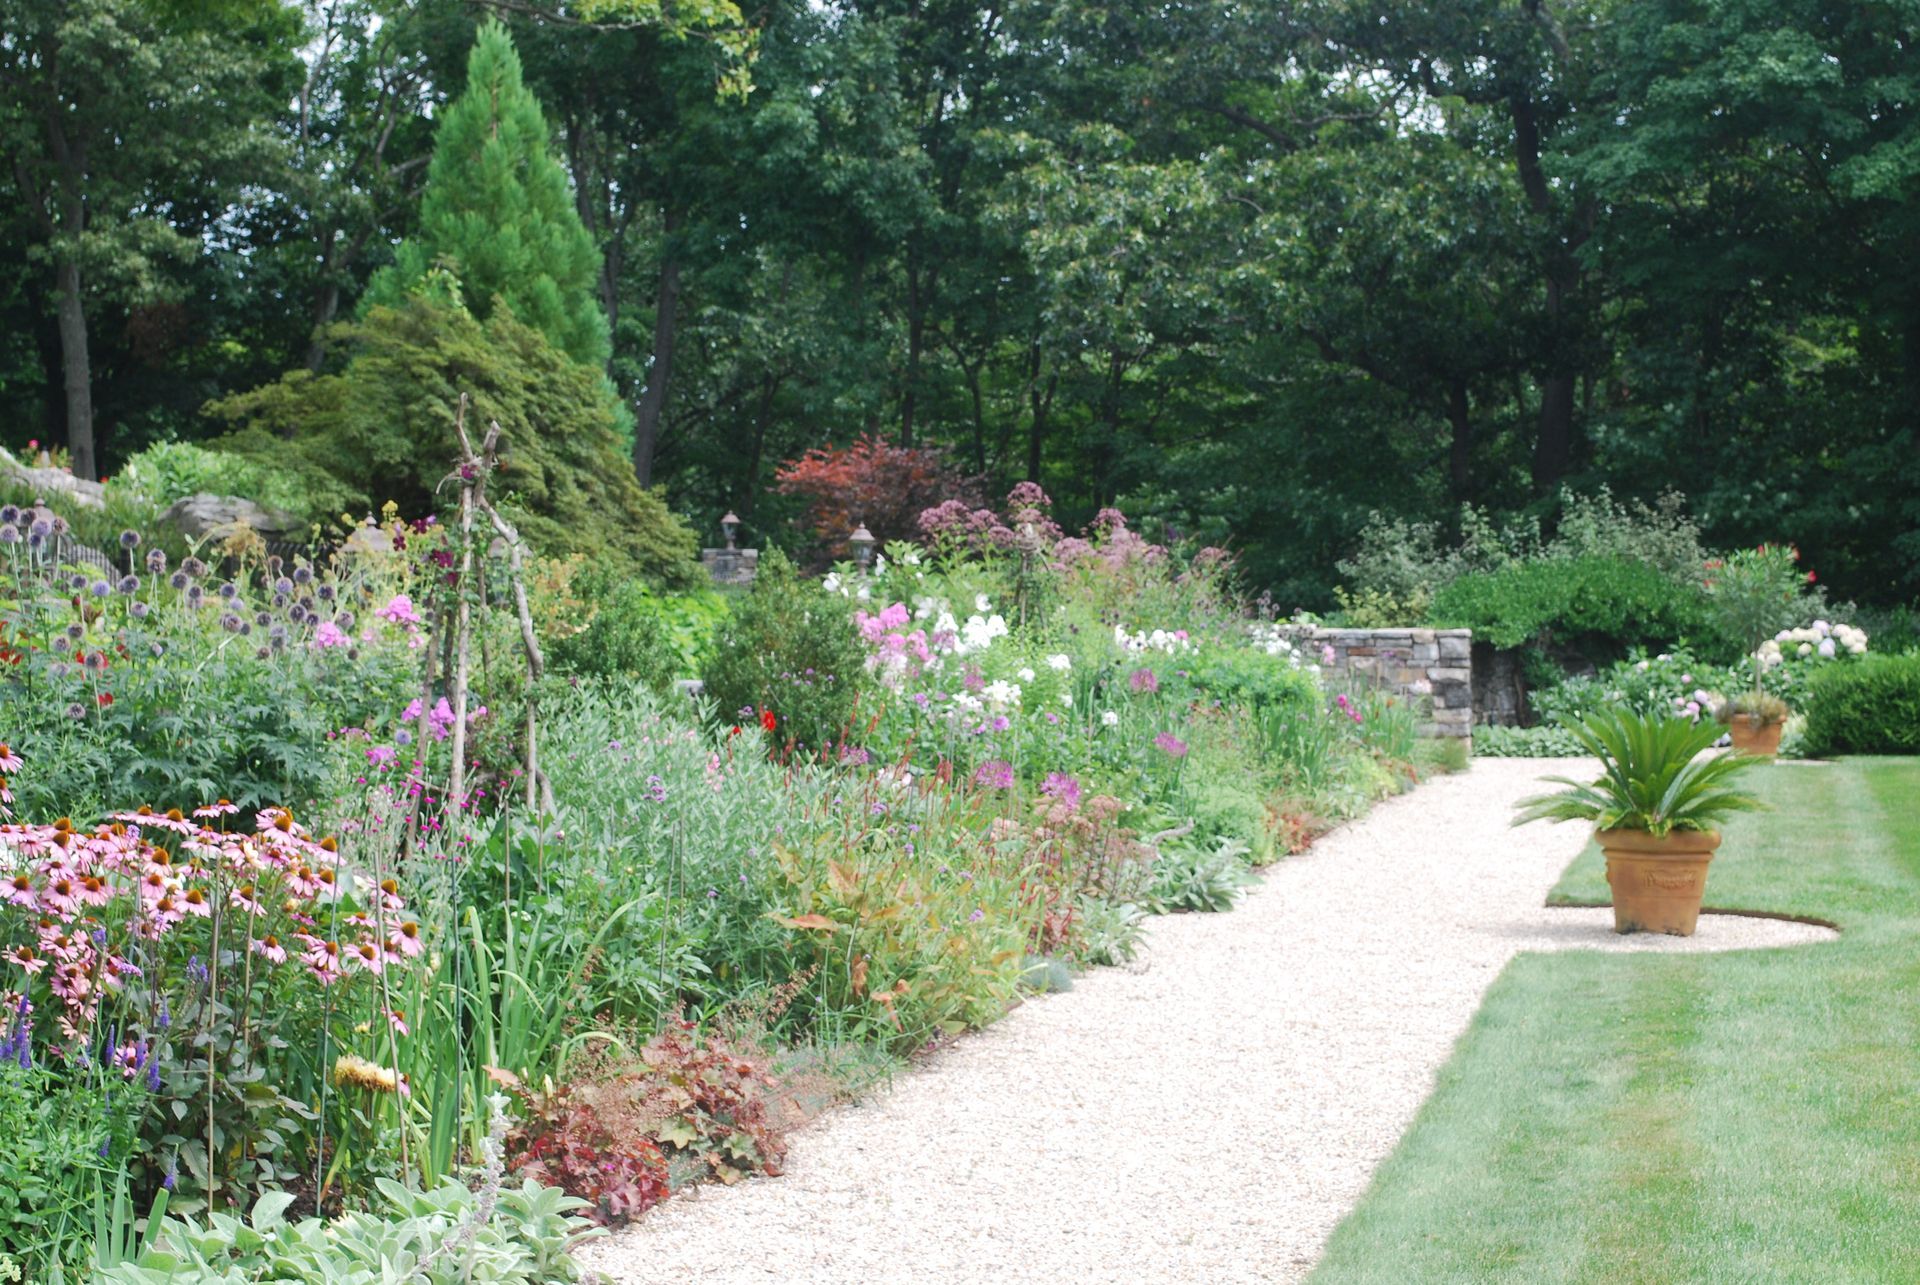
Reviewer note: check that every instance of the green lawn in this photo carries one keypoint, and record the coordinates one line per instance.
(1752, 1116)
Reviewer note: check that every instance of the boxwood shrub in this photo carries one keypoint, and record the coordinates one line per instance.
(1871, 707)
(1598, 606)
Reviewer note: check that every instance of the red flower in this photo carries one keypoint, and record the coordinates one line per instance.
(767, 720)
(732, 732)
(104, 699)
(1810, 577)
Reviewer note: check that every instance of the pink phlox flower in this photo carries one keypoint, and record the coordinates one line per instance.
(399, 610)
(330, 635)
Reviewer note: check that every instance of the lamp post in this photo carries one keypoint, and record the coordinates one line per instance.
(728, 525)
(862, 542)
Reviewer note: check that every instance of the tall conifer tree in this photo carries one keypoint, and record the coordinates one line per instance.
(498, 211)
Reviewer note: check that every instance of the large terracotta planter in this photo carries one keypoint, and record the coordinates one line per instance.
(1657, 883)
(1750, 736)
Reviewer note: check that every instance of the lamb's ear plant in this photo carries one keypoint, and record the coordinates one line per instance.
(1653, 777)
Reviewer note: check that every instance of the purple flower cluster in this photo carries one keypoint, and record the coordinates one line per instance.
(1059, 785)
(1171, 745)
(995, 774)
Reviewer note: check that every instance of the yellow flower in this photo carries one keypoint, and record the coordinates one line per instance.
(360, 1073)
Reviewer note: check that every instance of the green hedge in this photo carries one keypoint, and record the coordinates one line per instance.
(1598, 605)
(1872, 707)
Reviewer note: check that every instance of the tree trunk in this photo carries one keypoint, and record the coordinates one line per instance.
(1460, 446)
(762, 418)
(76, 369)
(1041, 403)
(918, 290)
(1553, 444)
(646, 426)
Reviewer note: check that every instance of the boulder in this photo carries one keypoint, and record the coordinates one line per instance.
(48, 480)
(203, 515)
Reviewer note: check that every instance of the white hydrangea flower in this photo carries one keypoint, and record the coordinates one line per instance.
(1066, 698)
(1060, 661)
(982, 604)
(1109, 719)
(1024, 674)
(1001, 694)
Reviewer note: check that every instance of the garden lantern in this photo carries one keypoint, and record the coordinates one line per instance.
(728, 525)
(862, 542)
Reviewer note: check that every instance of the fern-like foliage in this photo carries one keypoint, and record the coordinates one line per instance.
(1653, 777)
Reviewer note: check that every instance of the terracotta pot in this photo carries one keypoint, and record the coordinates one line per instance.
(1657, 883)
(1750, 736)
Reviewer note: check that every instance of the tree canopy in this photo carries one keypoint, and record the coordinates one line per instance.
(1252, 272)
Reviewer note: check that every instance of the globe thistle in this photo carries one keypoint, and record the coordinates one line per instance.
(261, 618)
(324, 593)
(280, 601)
(9, 513)
(283, 586)
(100, 589)
(156, 561)
(178, 580)
(273, 563)
(76, 711)
(297, 614)
(262, 653)
(246, 629)
(229, 591)
(97, 661)
(230, 622)
(9, 533)
(344, 620)
(60, 526)
(140, 610)
(129, 585)
(129, 539)
(76, 581)
(195, 595)
(302, 574)
(194, 567)
(40, 527)
(76, 632)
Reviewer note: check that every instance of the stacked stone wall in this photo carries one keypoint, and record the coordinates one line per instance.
(1433, 667)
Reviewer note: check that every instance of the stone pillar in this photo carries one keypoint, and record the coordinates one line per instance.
(731, 567)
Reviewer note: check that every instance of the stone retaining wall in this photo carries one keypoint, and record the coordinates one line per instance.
(1421, 664)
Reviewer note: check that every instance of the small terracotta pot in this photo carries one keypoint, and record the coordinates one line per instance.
(1657, 883)
(1751, 736)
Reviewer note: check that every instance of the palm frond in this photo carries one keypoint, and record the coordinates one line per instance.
(1652, 777)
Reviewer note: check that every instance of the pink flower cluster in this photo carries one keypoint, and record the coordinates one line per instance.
(897, 654)
(78, 906)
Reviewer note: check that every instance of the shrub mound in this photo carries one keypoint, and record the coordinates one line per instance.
(1597, 605)
(1869, 708)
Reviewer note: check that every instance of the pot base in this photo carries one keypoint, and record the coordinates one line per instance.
(1657, 883)
(1760, 740)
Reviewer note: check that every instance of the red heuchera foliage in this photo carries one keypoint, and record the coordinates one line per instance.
(623, 1133)
(872, 482)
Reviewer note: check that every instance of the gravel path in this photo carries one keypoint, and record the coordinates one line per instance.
(1208, 1117)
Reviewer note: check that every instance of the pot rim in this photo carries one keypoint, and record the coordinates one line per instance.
(1676, 843)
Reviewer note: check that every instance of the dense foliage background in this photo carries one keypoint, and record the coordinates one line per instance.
(1253, 271)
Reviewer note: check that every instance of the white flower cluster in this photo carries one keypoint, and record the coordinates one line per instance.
(1173, 643)
(834, 582)
(1272, 639)
(1818, 638)
(976, 635)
